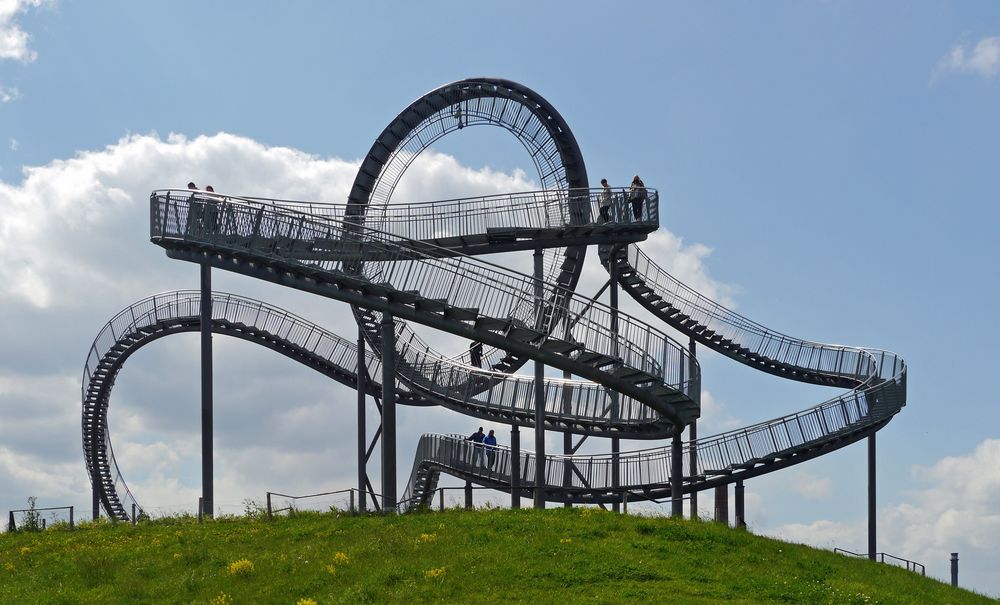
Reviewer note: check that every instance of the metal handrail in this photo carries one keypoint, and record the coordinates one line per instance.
(827, 359)
(881, 557)
(272, 232)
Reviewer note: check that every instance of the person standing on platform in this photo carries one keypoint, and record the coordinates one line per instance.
(605, 201)
(476, 353)
(637, 195)
(477, 445)
(490, 441)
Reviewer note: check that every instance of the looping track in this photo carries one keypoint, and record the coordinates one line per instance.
(416, 262)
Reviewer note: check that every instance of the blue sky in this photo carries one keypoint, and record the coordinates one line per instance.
(830, 167)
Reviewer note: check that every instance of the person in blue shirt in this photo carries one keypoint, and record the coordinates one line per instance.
(477, 445)
(490, 441)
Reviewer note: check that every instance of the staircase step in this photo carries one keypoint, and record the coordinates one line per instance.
(462, 314)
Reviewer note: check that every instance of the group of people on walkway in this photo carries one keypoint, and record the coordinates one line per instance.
(481, 441)
(637, 196)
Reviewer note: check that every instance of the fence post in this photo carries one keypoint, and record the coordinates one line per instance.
(954, 569)
(441, 498)
(11, 527)
(269, 517)
(352, 500)
(133, 513)
(71, 517)
(199, 508)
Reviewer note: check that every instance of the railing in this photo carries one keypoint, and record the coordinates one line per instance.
(272, 510)
(881, 558)
(35, 520)
(831, 360)
(553, 209)
(272, 232)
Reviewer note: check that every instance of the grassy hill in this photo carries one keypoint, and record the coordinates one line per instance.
(486, 556)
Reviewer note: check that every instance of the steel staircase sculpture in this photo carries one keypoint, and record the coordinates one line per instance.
(417, 262)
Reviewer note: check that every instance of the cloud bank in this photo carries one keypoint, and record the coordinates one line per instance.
(983, 59)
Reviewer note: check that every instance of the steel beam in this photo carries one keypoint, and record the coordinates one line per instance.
(207, 482)
(677, 476)
(515, 466)
(615, 407)
(871, 497)
(722, 504)
(693, 440)
(741, 521)
(362, 372)
(567, 437)
(97, 499)
(539, 491)
(388, 413)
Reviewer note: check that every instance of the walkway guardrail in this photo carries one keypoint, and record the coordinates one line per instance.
(892, 559)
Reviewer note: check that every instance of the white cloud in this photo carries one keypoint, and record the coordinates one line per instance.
(983, 59)
(809, 486)
(956, 512)
(13, 39)
(9, 94)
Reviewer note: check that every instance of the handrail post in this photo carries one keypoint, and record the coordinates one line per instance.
(269, 514)
(351, 505)
(71, 517)
(441, 499)
(133, 514)
(200, 499)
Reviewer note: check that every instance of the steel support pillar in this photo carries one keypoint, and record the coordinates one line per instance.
(677, 476)
(567, 439)
(97, 502)
(515, 466)
(615, 408)
(468, 494)
(362, 373)
(207, 481)
(954, 569)
(388, 413)
(539, 491)
(741, 521)
(722, 504)
(871, 497)
(693, 441)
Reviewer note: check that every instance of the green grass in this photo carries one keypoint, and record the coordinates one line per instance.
(484, 556)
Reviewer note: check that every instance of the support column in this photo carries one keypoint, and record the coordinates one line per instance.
(741, 522)
(693, 441)
(871, 497)
(362, 372)
(567, 440)
(468, 494)
(722, 504)
(615, 403)
(515, 466)
(207, 482)
(388, 413)
(677, 476)
(954, 569)
(97, 502)
(539, 491)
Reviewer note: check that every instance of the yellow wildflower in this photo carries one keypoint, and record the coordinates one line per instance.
(25, 550)
(222, 599)
(8, 566)
(428, 537)
(435, 572)
(565, 540)
(177, 556)
(341, 559)
(305, 602)
(242, 567)
(331, 569)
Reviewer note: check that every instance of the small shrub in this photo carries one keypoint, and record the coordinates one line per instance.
(241, 567)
